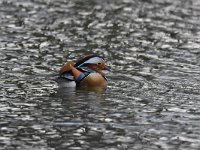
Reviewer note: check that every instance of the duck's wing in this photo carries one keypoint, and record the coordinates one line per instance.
(67, 76)
(85, 69)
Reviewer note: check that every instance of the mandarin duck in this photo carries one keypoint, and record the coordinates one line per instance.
(87, 72)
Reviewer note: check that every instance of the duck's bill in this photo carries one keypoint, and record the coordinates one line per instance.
(106, 69)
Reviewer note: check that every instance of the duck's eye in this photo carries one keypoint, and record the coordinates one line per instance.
(99, 63)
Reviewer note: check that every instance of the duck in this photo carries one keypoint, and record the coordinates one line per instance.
(89, 72)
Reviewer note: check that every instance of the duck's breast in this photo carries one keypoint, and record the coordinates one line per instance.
(94, 79)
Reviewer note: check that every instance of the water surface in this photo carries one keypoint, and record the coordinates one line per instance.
(152, 101)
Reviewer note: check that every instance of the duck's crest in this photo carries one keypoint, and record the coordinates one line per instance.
(83, 60)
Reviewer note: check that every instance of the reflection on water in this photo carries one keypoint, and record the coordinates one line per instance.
(152, 99)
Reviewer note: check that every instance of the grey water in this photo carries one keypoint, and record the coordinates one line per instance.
(152, 101)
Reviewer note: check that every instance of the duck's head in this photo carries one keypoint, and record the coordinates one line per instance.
(93, 62)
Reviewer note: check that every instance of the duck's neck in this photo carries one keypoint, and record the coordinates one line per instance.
(101, 72)
(96, 69)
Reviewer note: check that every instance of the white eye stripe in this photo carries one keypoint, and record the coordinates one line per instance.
(94, 60)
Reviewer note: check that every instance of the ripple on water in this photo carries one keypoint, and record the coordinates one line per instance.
(152, 99)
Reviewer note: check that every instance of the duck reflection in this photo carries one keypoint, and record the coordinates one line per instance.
(82, 105)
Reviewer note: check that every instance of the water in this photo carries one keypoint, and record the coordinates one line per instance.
(152, 101)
